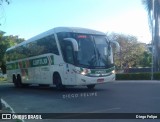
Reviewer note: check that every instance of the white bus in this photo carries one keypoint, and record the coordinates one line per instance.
(62, 56)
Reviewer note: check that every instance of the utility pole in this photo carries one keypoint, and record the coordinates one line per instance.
(0, 104)
(153, 58)
(152, 68)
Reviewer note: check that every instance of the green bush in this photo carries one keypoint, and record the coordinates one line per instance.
(137, 76)
(3, 79)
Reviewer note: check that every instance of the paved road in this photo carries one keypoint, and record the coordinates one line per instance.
(116, 97)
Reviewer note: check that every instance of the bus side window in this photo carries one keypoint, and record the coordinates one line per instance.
(52, 47)
(47, 45)
(69, 53)
(8, 57)
(32, 49)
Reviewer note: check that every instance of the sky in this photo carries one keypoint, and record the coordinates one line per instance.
(27, 18)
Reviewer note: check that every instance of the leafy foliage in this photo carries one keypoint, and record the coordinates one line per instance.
(153, 9)
(146, 59)
(7, 1)
(133, 53)
(6, 42)
(2, 12)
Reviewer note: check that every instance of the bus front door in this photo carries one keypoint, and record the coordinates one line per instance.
(69, 68)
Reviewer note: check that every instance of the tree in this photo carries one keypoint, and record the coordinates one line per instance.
(145, 60)
(153, 9)
(6, 42)
(132, 51)
(7, 1)
(2, 15)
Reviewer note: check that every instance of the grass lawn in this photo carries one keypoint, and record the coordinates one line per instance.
(3, 79)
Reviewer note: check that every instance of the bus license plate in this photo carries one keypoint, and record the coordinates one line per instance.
(100, 80)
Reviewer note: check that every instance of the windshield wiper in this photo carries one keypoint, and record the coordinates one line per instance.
(99, 54)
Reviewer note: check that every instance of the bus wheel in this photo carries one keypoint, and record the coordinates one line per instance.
(19, 81)
(43, 85)
(91, 86)
(58, 82)
(14, 79)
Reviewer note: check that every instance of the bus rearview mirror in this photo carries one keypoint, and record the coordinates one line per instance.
(74, 43)
(118, 48)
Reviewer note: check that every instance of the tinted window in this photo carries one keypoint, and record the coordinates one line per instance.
(68, 52)
(38, 47)
(61, 36)
(47, 45)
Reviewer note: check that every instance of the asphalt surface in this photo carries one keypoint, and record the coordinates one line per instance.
(115, 97)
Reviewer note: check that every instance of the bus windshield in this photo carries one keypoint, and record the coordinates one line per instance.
(94, 50)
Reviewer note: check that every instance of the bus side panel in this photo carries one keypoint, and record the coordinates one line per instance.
(58, 67)
(31, 74)
(12, 69)
(69, 74)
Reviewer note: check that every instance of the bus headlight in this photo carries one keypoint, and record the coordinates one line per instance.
(84, 72)
(113, 72)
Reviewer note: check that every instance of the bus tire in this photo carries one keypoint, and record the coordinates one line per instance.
(43, 85)
(91, 86)
(25, 84)
(14, 79)
(19, 81)
(20, 84)
(58, 82)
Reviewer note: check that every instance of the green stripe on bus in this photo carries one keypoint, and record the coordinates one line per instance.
(93, 71)
(39, 62)
(52, 59)
(12, 66)
(43, 61)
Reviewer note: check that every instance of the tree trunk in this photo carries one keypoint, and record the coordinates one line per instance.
(156, 38)
(3, 68)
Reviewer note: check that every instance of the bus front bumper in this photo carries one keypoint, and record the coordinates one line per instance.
(87, 80)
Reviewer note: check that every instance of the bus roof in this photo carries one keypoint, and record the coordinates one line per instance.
(57, 30)
(77, 30)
